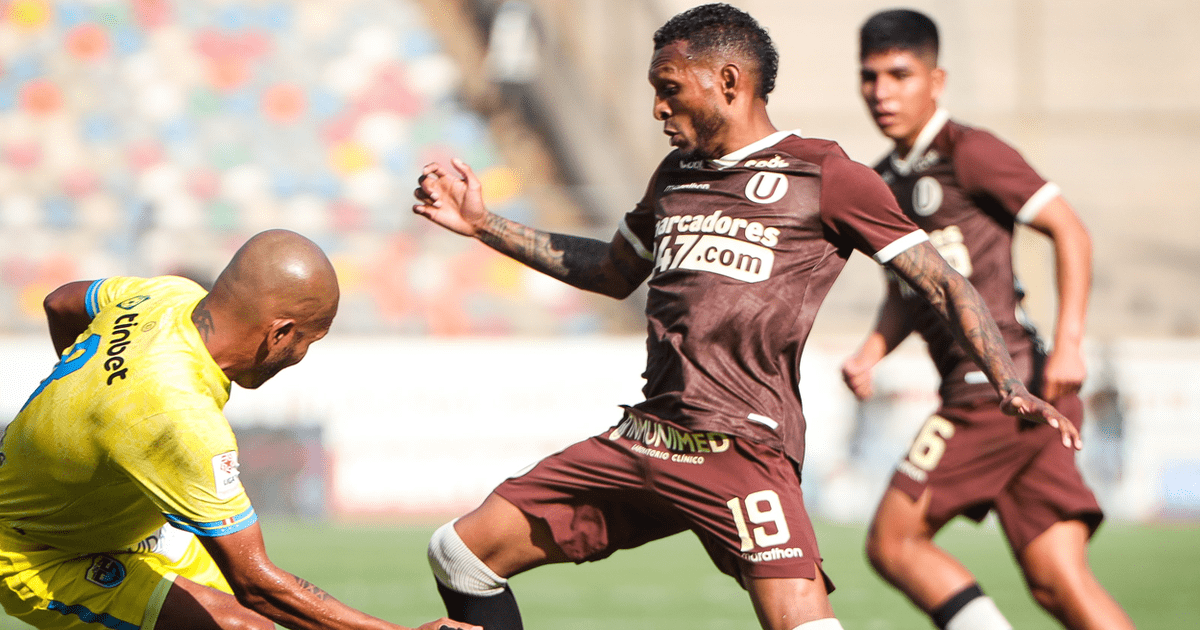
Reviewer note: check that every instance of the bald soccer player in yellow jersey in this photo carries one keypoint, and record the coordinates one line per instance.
(120, 503)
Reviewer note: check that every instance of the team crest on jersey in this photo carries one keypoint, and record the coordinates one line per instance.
(766, 187)
(927, 196)
(225, 474)
(133, 301)
(105, 571)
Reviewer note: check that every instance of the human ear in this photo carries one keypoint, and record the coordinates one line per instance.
(281, 330)
(937, 82)
(731, 77)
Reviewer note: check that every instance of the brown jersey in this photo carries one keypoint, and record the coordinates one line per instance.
(967, 189)
(744, 249)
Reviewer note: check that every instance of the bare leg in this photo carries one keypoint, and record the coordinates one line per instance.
(191, 606)
(1060, 579)
(474, 558)
(900, 547)
(506, 539)
(783, 604)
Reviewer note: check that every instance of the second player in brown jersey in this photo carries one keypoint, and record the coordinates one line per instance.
(969, 191)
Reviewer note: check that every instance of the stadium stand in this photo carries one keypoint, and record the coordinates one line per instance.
(152, 136)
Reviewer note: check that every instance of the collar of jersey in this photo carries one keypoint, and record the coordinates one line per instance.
(924, 139)
(739, 155)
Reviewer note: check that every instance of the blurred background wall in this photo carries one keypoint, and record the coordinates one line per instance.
(146, 137)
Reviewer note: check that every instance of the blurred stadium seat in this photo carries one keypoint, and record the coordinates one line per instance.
(154, 136)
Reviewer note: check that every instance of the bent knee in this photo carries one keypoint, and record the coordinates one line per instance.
(456, 567)
(886, 549)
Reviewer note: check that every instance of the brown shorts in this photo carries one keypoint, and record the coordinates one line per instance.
(976, 459)
(646, 479)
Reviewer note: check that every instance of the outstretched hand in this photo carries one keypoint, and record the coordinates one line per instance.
(451, 200)
(1029, 407)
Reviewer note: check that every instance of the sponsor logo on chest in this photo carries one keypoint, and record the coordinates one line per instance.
(730, 246)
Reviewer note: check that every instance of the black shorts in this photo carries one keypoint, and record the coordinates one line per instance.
(646, 479)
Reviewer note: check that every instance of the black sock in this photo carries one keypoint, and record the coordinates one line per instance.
(494, 612)
(946, 612)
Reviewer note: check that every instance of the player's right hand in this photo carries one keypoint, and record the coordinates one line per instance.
(452, 200)
(856, 373)
(448, 624)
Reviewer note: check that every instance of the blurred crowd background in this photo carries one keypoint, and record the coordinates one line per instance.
(143, 137)
(153, 136)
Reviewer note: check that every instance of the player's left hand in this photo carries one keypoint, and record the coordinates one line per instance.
(1064, 373)
(1029, 407)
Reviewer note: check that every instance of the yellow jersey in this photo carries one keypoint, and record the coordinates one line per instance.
(127, 431)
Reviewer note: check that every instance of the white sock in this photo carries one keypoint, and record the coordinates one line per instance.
(980, 613)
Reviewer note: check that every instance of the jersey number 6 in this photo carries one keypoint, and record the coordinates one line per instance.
(930, 443)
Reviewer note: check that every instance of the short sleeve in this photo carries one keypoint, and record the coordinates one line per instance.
(103, 292)
(186, 462)
(638, 224)
(985, 164)
(860, 210)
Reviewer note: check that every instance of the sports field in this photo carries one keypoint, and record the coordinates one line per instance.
(1152, 570)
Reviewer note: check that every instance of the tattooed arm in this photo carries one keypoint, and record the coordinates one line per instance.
(455, 201)
(960, 305)
(66, 313)
(290, 601)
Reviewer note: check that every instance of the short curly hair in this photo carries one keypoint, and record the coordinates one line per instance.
(721, 28)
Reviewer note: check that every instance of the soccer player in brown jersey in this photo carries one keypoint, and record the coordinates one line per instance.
(968, 190)
(741, 233)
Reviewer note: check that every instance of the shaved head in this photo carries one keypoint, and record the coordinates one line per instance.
(279, 273)
(276, 296)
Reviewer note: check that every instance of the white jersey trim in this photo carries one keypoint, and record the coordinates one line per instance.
(975, 378)
(634, 241)
(930, 131)
(761, 419)
(1039, 200)
(899, 245)
(737, 156)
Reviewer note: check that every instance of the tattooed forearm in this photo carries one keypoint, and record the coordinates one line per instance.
(311, 588)
(524, 244)
(581, 262)
(203, 320)
(963, 309)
